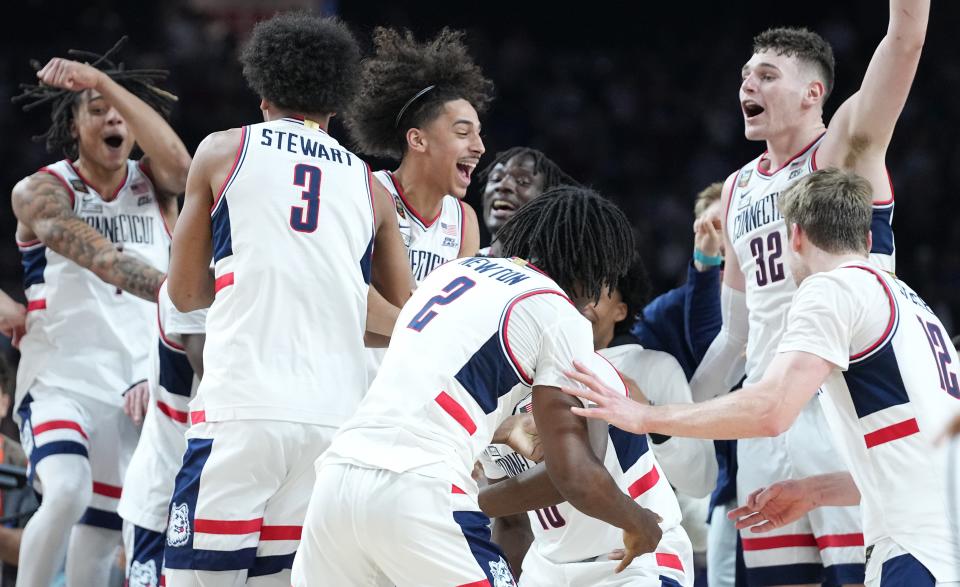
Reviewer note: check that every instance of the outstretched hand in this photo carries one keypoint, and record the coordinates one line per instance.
(612, 406)
(69, 75)
(769, 508)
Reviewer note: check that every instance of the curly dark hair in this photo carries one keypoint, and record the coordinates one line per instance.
(400, 69)
(634, 288)
(581, 240)
(805, 45)
(64, 103)
(553, 176)
(302, 62)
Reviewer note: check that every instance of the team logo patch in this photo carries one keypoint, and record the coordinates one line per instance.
(400, 211)
(449, 242)
(744, 178)
(78, 185)
(178, 532)
(500, 571)
(143, 574)
(144, 200)
(794, 173)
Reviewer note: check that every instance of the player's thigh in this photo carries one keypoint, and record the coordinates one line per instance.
(434, 535)
(285, 510)
(229, 471)
(332, 551)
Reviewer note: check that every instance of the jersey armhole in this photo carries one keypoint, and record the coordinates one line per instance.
(892, 323)
(505, 324)
(237, 161)
(463, 227)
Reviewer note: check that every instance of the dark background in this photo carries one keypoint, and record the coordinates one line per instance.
(641, 102)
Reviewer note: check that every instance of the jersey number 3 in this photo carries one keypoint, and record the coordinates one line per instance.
(306, 218)
(453, 290)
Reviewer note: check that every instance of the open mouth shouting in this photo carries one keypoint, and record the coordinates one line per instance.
(465, 170)
(751, 109)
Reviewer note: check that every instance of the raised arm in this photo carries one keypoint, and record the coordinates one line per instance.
(860, 131)
(191, 284)
(43, 208)
(165, 155)
(722, 367)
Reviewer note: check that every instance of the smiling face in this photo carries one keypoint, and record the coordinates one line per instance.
(453, 145)
(776, 93)
(102, 135)
(510, 185)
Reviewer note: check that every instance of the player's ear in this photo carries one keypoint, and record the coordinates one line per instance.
(796, 234)
(416, 140)
(264, 105)
(620, 312)
(869, 241)
(815, 92)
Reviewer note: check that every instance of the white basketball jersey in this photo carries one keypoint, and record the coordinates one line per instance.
(563, 534)
(83, 334)
(476, 328)
(894, 393)
(430, 243)
(759, 236)
(293, 229)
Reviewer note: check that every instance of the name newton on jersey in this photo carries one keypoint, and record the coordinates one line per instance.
(492, 269)
(124, 228)
(757, 215)
(300, 145)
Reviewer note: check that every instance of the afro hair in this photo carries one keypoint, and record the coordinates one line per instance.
(302, 63)
(400, 69)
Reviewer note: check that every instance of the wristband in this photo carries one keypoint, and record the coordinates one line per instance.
(708, 260)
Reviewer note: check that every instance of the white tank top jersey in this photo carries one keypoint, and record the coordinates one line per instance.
(83, 334)
(759, 236)
(293, 229)
(430, 243)
(563, 534)
(893, 392)
(486, 326)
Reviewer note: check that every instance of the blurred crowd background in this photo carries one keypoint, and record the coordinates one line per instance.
(639, 102)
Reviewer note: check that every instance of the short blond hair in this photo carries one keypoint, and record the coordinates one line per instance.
(833, 207)
(707, 197)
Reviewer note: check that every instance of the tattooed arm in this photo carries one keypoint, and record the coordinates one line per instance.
(43, 208)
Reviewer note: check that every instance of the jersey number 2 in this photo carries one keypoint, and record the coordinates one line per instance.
(453, 290)
(306, 218)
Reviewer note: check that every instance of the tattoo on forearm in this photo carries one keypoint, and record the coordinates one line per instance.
(44, 206)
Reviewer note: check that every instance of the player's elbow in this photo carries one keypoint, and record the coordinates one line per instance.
(181, 296)
(577, 484)
(774, 422)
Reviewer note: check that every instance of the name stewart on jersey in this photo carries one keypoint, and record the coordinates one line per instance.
(125, 228)
(491, 269)
(757, 215)
(300, 145)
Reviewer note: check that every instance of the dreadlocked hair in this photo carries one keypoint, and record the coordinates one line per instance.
(634, 288)
(581, 240)
(400, 70)
(139, 82)
(553, 176)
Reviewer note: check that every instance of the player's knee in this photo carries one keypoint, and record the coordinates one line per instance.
(68, 491)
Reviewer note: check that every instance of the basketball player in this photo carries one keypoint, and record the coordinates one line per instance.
(570, 548)
(419, 103)
(291, 219)
(514, 177)
(92, 233)
(785, 84)
(154, 465)
(888, 375)
(395, 502)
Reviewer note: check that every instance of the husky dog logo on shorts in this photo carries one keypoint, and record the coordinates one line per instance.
(143, 574)
(178, 532)
(500, 571)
